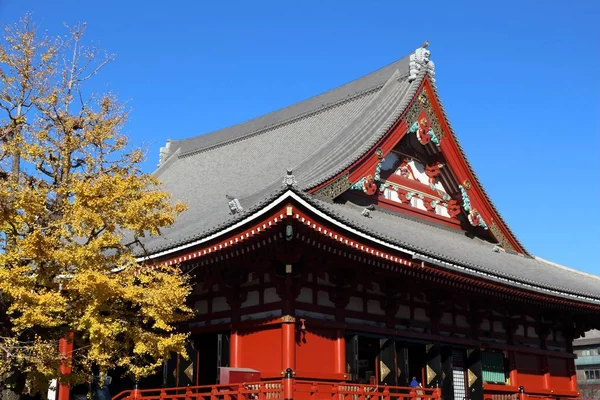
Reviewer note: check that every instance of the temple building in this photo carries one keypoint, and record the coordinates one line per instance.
(344, 246)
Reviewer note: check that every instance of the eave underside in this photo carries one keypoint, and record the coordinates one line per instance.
(409, 244)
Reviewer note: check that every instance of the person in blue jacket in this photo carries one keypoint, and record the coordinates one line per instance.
(414, 383)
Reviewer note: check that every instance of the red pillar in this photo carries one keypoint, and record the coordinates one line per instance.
(234, 349)
(65, 348)
(288, 341)
(288, 355)
(340, 353)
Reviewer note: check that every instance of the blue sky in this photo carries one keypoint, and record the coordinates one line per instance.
(517, 78)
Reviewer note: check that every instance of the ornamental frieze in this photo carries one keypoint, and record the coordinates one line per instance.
(335, 188)
(503, 240)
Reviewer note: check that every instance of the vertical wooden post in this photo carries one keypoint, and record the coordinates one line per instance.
(135, 393)
(234, 349)
(288, 341)
(546, 370)
(65, 348)
(288, 384)
(340, 353)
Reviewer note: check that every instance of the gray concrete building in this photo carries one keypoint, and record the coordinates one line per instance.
(587, 363)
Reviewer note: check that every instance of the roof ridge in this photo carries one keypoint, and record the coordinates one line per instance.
(288, 121)
(348, 90)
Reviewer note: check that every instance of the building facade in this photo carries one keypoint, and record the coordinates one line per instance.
(587, 363)
(344, 245)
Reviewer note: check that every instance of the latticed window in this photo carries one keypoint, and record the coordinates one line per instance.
(592, 374)
(492, 365)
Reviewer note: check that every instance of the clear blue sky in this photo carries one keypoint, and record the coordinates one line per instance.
(519, 80)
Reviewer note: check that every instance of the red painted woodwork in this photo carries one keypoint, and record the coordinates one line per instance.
(426, 215)
(317, 353)
(260, 349)
(328, 255)
(360, 246)
(458, 165)
(530, 373)
(340, 353)
(234, 351)
(65, 348)
(451, 152)
(304, 390)
(366, 164)
(239, 391)
(559, 374)
(300, 389)
(288, 350)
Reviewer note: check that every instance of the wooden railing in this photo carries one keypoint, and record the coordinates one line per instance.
(242, 391)
(352, 391)
(302, 390)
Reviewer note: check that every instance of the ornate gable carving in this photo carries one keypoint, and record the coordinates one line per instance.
(422, 171)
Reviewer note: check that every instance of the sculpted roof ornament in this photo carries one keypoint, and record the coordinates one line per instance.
(289, 180)
(165, 152)
(420, 59)
(234, 205)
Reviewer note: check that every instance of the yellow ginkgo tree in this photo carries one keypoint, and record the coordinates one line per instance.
(74, 208)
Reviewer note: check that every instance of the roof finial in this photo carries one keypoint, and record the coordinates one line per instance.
(420, 59)
(165, 153)
(289, 180)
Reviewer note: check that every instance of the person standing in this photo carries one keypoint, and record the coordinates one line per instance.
(414, 383)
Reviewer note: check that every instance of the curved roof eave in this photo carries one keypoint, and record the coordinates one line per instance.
(320, 209)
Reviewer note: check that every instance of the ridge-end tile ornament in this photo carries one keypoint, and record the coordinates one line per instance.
(234, 205)
(289, 179)
(473, 215)
(369, 184)
(418, 60)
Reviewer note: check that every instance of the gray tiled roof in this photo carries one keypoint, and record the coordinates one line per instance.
(318, 138)
(249, 160)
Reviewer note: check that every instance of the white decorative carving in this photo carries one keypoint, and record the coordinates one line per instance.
(165, 153)
(420, 59)
(234, 205)
(289, 179)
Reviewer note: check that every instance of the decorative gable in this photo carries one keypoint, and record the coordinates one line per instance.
(418, 168)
